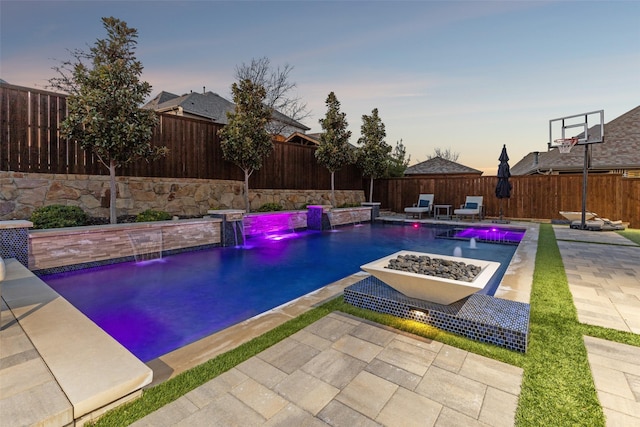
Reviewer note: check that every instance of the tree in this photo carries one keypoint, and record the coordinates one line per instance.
(104, 101)
(397, 162)
(373, 155)
(279, 92)
(334, 151)
(446, 154)
(245, 141)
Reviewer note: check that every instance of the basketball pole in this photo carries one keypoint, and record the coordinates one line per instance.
(585, 173)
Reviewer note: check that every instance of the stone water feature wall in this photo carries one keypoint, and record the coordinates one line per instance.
(21, 193)
(274, 222)
(67, 249)
(325, 218)
(237, 226)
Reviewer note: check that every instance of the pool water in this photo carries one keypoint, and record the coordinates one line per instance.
(155, 307)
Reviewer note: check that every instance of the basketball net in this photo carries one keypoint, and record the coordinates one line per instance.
(565, 144)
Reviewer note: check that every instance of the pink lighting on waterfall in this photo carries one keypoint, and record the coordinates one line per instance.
(277, 224)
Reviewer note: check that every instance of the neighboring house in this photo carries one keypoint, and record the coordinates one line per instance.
(312, 139)
(440, 166)
(211, 106)
(208, 106)
(304, 138)
(619, 153)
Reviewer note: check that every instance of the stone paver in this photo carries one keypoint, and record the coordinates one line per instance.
(368, 376)
(604, 280)
(29, 393)
(564, 232)
(453, 391)
(307, 391)
(616, 374)
(416, 410)
(367, 394)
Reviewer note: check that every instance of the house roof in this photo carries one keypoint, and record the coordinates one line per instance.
(309, 139)
(619, 151)
(304, 138)
(440, 166)
(277, 115)
(208, 105)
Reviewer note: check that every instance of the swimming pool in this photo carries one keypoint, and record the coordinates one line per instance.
(155, 307)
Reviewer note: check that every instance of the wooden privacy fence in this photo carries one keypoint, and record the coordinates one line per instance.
(30, 142)
(532, 197)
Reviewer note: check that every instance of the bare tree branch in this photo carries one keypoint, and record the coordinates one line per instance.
(280, 89)
(446, 154)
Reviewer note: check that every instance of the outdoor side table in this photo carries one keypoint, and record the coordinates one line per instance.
(442, 211)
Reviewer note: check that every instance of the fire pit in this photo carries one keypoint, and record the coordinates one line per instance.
(440, 290)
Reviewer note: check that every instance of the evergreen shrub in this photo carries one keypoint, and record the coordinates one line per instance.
(58, 216)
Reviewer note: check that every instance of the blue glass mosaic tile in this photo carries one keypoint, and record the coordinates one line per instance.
(478, 317)
(14, 243)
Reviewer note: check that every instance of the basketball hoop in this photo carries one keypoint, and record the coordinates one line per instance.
(565, 144)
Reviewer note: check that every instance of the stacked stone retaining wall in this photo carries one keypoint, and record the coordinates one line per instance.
(22, 193)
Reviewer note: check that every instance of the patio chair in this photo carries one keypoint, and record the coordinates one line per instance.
(424, 206)
(472, 207)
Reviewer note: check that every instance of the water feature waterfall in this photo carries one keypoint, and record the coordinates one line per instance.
(146, 243)
(330, 218)
(355, 218)
(472, 243)
(238, 227)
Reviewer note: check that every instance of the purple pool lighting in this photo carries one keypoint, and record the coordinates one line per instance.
(279, 222)
(491, 234)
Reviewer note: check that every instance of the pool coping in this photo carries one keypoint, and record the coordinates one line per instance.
(89, 378)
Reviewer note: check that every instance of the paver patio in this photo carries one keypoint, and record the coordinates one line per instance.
(342, 370)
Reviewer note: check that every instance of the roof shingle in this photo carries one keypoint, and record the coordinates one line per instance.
(439, 166)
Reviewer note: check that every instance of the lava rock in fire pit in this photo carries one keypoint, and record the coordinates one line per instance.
(455, 270)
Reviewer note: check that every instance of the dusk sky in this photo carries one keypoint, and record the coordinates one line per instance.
(468, 76)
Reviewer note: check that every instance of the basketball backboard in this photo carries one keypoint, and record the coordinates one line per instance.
(588, 128)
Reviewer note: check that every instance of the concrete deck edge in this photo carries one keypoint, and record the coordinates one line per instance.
(29, 394)
(92, 376)
(518, 279)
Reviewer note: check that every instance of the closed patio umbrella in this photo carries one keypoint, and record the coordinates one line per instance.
(503, 188)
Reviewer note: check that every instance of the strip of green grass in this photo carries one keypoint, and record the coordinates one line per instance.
(557, 387)
(631, 234)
